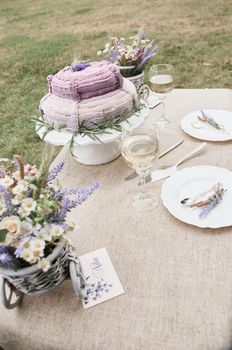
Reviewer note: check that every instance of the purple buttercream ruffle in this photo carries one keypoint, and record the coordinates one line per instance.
(97, 79)
(68, 115)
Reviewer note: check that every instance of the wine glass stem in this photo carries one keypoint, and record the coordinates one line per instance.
(142, 176)
(142, 180)
(163, 116)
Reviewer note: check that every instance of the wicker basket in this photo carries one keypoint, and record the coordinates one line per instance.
(32, 280)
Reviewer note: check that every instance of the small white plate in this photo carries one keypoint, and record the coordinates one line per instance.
(192, 181)
(207, 132)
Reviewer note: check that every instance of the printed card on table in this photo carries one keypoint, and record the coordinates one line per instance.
(102, 280)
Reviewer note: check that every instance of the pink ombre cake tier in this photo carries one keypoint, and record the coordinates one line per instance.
(95, 79)
(67, 114)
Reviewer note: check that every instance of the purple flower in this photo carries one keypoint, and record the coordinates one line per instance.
(18, 252)
(2, 171)
(55, 171)
(149, 55)
(5, 258)
(81, 195)
(80, 66)
(207, 209)
(142, 35)
(6, 194)
(6, 255)
(114, 55)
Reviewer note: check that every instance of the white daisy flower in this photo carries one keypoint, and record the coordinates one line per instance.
(16, 200)
(37, 254)
(26, 227)
(37, 244)
(44, 235)
(19, 188)
(28, 256)
(44, 264)
(68, 240)
(16, 175)
(26, 245)
(56, 230)
(28, 205)
(7, 182)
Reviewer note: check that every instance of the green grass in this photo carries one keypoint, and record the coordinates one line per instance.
(39, 38)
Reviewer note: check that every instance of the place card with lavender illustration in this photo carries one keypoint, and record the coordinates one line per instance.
(102, 280)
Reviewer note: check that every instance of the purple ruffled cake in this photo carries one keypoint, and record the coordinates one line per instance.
(86, 94)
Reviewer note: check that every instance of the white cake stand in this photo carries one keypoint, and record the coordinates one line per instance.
(94, 152)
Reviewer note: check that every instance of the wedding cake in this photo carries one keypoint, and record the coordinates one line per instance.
(86, 94)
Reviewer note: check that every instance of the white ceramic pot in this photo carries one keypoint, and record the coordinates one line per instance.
(137, 80)
(96, 154)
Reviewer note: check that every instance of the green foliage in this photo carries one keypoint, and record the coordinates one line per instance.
(39, 38)
(3, 234)
(82, 11)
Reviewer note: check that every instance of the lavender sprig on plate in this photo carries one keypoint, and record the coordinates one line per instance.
(211, 121)
(207, 203)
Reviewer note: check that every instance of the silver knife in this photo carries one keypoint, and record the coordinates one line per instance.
(169, 149)
(164, 173)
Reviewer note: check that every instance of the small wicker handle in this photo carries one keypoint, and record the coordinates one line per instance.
(77, 277)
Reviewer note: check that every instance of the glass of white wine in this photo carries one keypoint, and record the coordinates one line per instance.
(140, 149)
(161, 82)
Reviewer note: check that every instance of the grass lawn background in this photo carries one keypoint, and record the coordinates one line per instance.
(39, 37)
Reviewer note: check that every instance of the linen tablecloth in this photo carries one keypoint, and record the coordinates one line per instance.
(177, 277)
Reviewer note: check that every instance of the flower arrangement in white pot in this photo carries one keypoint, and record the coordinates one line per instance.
(34, 235)
(132, 57)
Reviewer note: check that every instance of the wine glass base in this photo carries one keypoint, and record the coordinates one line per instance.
(144, 202)
(162, 123)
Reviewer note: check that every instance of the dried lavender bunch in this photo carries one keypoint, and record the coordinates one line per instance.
(206, 119)
(215, 196)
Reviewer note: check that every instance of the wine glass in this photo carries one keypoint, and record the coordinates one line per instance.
(161, 82)
(140, 148)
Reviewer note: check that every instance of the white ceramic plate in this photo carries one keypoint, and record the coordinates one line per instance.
(208, 133)
(61, 138)
(193, 181)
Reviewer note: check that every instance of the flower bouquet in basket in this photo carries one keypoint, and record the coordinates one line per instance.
(132, 56)
(34, 242)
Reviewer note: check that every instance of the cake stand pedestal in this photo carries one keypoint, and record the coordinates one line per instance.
(94, 152)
